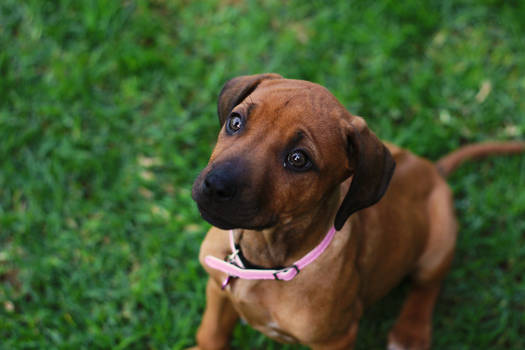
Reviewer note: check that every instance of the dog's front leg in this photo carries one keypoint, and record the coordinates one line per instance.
(218, 320)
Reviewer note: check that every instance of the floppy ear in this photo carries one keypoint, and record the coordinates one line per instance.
(236, 90)
(373, 168)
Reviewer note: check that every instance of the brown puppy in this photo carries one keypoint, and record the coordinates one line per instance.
(290, 162)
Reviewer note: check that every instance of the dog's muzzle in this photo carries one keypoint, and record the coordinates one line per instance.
(226, 199)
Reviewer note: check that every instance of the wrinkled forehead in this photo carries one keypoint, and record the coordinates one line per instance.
(295, 93)
(283, 102)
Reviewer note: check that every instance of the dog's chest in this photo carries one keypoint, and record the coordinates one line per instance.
(256, 303)
(316, 303)
(295, 311)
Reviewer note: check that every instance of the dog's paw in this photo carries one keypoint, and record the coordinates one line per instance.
(411, 345)
(413, 338)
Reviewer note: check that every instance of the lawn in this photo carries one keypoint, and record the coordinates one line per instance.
(107, 114)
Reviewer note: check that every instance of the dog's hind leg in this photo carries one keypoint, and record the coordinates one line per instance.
(218, 320)
(413, 328)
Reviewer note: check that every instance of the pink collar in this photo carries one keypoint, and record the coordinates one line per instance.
(234, 267)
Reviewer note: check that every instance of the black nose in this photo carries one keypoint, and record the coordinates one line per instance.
(219, 186)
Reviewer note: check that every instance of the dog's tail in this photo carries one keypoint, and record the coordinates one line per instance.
(447, 164)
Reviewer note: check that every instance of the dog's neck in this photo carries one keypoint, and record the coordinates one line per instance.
(287, 242)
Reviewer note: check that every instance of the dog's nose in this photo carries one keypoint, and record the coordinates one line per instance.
(219, 187)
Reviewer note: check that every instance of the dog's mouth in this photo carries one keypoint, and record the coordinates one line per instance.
(218, 220)
(215, 219)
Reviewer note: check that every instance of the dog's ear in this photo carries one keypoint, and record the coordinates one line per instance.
(236, 90)
(373, 166)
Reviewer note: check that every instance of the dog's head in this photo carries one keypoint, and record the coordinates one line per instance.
(284, 148)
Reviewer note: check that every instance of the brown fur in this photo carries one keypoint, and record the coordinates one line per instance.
(410, 231)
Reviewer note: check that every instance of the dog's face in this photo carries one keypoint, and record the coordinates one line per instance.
(284, 147)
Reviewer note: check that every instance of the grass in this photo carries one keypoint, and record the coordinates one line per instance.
(107, 114)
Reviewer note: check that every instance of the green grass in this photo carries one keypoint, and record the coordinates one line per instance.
(107, 114)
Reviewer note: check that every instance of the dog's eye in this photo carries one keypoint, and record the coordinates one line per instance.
(234, 123)
(297, 160)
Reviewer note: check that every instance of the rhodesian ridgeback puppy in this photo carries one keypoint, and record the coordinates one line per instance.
(316, 219)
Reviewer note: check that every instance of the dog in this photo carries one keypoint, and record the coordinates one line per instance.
(314, 219)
